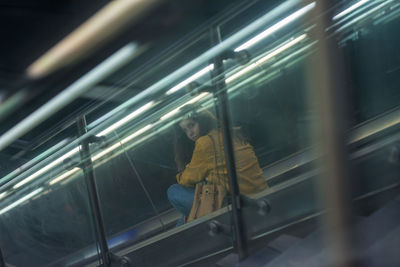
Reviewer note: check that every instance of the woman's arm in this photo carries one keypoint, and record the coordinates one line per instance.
(199, 166)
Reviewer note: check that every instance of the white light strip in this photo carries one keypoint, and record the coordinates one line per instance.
(170, 114)
(195, 99)
(96, 32)
(41, 171)
(196, 63)
(265, 58)
(350, 9)
(389, 121)
(241, 72)
(364, 15)
(276, 27)
(75, 90)
(21, 200)
(139, 132)
(282, 48)
(173, 112)
(106, 151)
(101, 154)
(35, 160)
(3, 195)
(190, 79)
(64, 175)
(123, 141)
(127, 118)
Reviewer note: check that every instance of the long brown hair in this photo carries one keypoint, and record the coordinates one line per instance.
(183, 146)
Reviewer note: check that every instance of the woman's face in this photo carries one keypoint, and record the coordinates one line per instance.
(191, 129)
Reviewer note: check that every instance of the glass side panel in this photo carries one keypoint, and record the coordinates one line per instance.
(152, 155)
(125, 90)
(270, 118)
(368, 37)
(138, 176)
(157, 134)
(268, 97)
(45, 216)
(268, 94)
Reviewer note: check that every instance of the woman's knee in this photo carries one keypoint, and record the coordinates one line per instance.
(173, 191)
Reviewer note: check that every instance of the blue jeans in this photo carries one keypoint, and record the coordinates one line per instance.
(181, 197)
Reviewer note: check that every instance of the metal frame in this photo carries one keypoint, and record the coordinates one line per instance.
(220, 94)
(94, 202)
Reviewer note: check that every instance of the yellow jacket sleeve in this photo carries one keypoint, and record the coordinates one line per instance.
(200, 164)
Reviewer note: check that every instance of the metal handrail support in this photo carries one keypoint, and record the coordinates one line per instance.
(2, 263)
(221, 97)
(94, 202)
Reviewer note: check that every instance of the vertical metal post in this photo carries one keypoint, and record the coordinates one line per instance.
(224, 118)
(326, 76)
(87, 167)
(2, 263)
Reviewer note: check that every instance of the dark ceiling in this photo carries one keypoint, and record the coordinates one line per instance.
(29, 28)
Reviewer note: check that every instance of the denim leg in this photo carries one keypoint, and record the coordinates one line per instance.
(180, 221)
(181, 197)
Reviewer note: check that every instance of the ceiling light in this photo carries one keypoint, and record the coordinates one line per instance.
(276, 27)
(3, 195)
(265, 58)
(173, 112)
(282, 48)
(34, 161)
(191, 79)
(170, 114)
(21, 200)
(195, 99)
(350, 9)
(49, 166)
(241, 72)
(123, 141)
(106, 151)
(95, 32)
(139, 132)
(104, 69)
(364, 15)
(64, 175)
(127, 118)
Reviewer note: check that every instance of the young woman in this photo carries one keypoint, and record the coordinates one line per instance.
(199, 155)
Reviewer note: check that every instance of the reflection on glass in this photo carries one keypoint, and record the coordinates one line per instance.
(126, 119)
(350, 9)
(48, 167)
(21, 200)
(273, 109)
(44, 224)
(276, 27)
(265, 58)
(176, 110)
(136, 165)
(366, 14)
(64, 175)
(199, 159)
(191, 79)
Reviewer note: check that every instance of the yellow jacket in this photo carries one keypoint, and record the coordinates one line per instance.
(202, 165)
